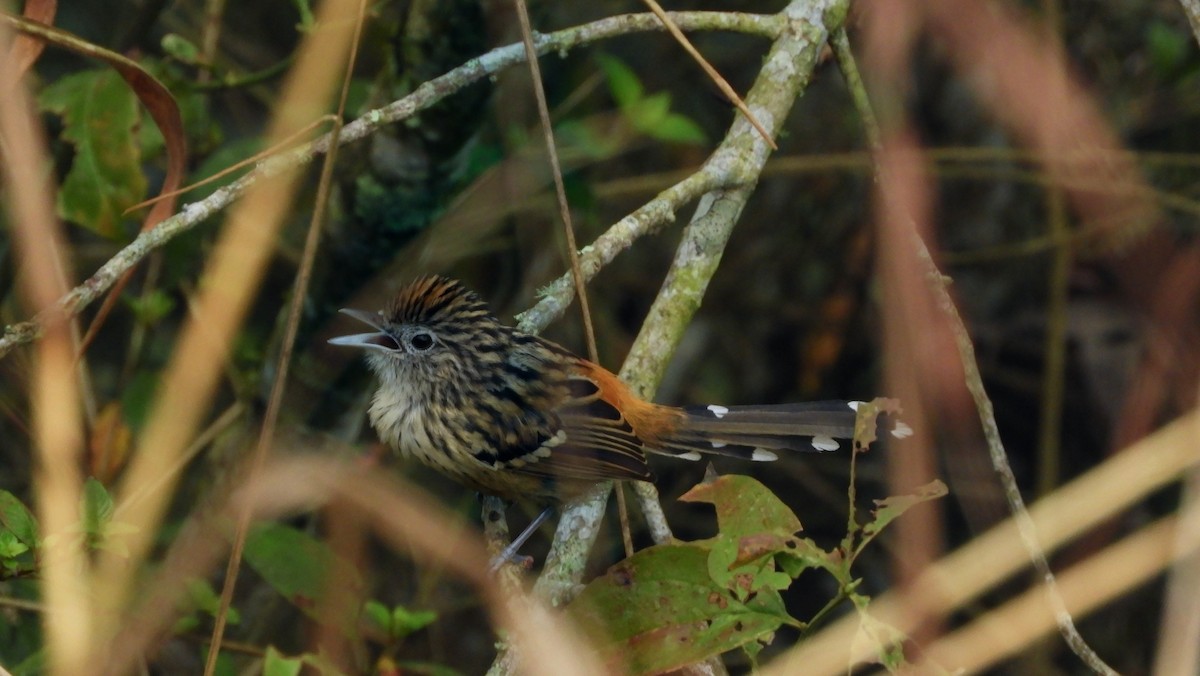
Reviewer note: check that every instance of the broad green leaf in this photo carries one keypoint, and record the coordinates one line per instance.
(180, 48)
(676, 128)
(405, 621)
(275, 664)
(660, 609)
(298, 566)
(203, 597)
(17, 519)
(378, 614)
(622, 82)
(646, 114)
(745, 507)
(100, 116)
(138, 397)
(10, 546)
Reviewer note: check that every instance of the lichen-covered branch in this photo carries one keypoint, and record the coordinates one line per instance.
(425, 96)
(732, 171)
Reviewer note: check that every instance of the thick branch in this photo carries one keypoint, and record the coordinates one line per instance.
(734, 168)
(425, 96)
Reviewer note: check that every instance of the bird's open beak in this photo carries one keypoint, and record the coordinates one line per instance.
(376, 340)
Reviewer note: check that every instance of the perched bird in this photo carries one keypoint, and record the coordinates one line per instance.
(519, 417)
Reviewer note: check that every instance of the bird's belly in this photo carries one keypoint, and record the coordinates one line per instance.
(413, 435)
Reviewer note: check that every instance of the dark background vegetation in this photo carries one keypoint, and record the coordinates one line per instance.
(790, 315)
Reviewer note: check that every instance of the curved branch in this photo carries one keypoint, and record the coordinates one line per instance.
(425, 96)
(730, 174)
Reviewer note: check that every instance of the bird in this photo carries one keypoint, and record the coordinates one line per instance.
(514, 415)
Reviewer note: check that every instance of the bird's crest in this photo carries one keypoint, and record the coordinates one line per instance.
(435, 300)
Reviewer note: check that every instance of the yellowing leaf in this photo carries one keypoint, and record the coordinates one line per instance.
(100, 115)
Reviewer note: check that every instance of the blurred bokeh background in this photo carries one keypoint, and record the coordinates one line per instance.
(792, 314)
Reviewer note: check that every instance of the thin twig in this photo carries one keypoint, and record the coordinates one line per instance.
(560, 189)
(564, 210)
(736, 163)
(41, 245)
(712, 73)
(295, 312)
(426, 95)
(936, 283)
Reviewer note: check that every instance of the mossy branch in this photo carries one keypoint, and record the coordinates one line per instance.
(424, 97)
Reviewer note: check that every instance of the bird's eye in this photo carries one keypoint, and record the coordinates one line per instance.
(421, 341)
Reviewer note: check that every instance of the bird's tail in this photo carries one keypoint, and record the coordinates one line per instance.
(752, 432)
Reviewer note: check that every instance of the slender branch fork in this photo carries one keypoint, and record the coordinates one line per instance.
(425, 96)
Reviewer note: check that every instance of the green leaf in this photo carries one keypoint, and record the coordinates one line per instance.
(138, 398)
(582, 138)
(100, 116)
(11, 546)
(890, 509)
(180, 48)
(676, 128)
(622, 82)
(405, 621)
(298, 566)
(745, 507)
(275, 664)
(649, 112)
(203, 597)
(152, 307)
(17, 519)
(660, 609)
(1168, 47)
(97, 508)
(378, 614)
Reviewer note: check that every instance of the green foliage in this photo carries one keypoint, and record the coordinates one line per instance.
(298, 566)
(675, 604)
(397, 622)
(152, 307)
(276, 663)
(100, 116)
(202, 599)
(96, 520)
(680, 603)
(1168, 46)
(18, 536)
(19, 539)
(180, 48)
(138, 398)
(650, 115)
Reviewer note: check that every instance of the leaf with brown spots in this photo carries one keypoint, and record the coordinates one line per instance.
(745, 507)
(661, 610)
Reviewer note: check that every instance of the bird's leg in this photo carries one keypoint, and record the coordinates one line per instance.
(510, 552)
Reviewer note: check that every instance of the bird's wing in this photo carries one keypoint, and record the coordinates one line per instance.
(556, 424)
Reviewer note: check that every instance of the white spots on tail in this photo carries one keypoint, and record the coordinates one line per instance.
(763, 455)
(902, 430)
(718, 411)
(825, 443)
(690, 455)
(855, 404)
(718, 444)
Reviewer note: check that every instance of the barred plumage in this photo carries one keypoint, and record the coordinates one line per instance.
(515, 415)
